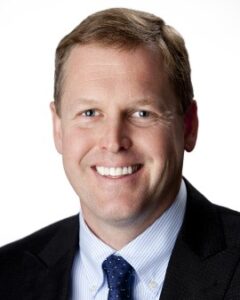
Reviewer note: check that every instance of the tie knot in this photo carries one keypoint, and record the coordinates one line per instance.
(120, 277)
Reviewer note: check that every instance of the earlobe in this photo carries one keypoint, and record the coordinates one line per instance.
(190, 127)
(57, 128)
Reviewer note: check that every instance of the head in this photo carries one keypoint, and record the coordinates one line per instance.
(123, 115)
(127, 29)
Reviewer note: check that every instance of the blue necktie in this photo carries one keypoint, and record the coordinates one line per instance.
(120, 277)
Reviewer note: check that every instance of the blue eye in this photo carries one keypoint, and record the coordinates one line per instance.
(143, 118)
(142, 114)
(89, 113)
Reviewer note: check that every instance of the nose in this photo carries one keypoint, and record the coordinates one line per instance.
(115, 137)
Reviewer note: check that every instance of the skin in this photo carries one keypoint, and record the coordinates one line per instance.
(118, 109)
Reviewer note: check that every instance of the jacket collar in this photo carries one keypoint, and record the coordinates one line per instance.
(200, 238)
(202, 229)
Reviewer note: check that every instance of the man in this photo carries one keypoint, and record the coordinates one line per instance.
(123, 114)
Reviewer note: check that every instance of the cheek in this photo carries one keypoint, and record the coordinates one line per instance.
(171, 140)
(76, 144)
(158, 143)
(164, 148)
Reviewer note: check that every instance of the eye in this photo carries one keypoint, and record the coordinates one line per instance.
(143, 118)
(142, 114)
(90, 113)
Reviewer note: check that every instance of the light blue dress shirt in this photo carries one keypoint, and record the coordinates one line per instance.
(148, 253)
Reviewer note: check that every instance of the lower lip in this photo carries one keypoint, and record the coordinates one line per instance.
(124, 177)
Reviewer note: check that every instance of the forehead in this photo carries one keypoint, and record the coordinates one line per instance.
(99, 71)
(94, 58)
(96, 49)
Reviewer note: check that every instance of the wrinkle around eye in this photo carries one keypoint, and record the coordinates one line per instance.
(152, 118)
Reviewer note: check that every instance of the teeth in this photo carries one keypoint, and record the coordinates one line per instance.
(106, 171)
(125, 170)
(130, 170)
(116, 172)
(112, 171)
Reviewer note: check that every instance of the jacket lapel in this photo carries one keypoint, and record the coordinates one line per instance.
(47, 273)
(191, 272)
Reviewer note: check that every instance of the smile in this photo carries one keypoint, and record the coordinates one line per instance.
(119, 171)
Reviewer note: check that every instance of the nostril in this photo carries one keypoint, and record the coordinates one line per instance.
(126, 143)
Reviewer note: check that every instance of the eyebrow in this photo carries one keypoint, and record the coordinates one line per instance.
(145, 101)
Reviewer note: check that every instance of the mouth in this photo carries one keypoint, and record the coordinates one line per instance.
(118, 172)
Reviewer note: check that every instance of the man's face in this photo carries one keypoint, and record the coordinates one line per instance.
(120, 135)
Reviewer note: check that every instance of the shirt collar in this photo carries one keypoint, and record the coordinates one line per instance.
(92, 254)
(150, 263)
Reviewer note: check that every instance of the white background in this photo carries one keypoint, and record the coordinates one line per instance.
(33, 189)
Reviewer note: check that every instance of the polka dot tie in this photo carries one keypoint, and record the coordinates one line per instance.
(120, 277)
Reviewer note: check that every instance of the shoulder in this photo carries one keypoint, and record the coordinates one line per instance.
(212, 215)
(35, 242)
(24, 259)
(230, 220)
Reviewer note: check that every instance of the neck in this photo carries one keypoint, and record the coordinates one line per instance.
(116, 236)
(119, 233)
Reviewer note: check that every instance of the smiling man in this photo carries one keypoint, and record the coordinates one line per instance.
(122, 138)
(123, 115)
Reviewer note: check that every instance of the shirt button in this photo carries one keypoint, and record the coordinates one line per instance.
(152, 284)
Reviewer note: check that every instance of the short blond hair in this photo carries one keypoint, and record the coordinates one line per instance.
(128, 29)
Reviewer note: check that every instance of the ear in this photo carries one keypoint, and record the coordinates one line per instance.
(57, 128)
(190, 127)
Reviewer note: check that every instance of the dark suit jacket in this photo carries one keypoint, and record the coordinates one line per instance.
(205, 263)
